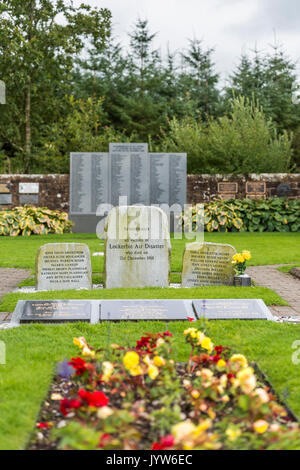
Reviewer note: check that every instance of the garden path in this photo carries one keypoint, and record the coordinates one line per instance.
(287, 286)
(9, 280)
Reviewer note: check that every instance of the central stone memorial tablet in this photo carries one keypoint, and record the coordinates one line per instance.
(56, 311)
(137, 248)
(167, 310)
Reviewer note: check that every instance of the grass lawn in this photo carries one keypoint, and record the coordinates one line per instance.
(266, 248)
(286, 269)
(9, 301)
(33, 351)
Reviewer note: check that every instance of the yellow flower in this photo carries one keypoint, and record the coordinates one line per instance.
(80, 342)
(153, 372)
(131, 359)
(240, 258)
(239, 359)
(135, 370)
(188, 331)
(147, 360)
(202, 427)
(200, 337)
(233, 434)
(260, 426)
(207, 344)
(247, 379)
(104, 412)
(195, 394)
(159, 361)
(108, 369)
(246, 254)
(87, 352)
(182, 430)
(221, 363)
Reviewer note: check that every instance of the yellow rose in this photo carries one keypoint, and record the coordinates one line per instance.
(189, 331)
(153, 372)
(240, 258)
(235, 257)
(246, 254)
(131, 359)
(239, 359)
(260, 426)
(159, 361)
(247, 379)
(207, 344)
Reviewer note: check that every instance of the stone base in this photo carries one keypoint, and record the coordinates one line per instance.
(242, 281)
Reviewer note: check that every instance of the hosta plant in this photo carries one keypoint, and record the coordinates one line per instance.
(30, 220)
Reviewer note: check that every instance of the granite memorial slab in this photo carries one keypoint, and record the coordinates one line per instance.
(56, 311)
(228, 187)
(122, 310)
(63, 266)
(207, 264)
(137, 248)
(89, 183)
(230, 309)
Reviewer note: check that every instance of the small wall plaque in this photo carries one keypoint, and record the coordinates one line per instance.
(29, 199)
(29, 188)
(255, 196)
(226, 196)
(227, 187)
(255, 187)
(4, 188)
(5, 199)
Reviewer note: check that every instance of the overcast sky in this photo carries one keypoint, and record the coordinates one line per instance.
(230, 26)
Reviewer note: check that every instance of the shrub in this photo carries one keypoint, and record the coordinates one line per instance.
(29, 220)
(244, 142)
(248, 215)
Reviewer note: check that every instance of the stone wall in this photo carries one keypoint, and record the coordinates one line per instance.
(53, 190)
(204, 188)
(50, 191)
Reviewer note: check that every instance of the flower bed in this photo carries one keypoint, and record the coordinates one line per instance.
(139, 398)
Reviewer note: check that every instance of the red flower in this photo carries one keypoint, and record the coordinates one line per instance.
(67, 405)
(79, 365)
(43, 425)
(190, 319)
(230, 376)
(219, 349)
(215, 358)
(167, 333)
(144, 342)
(96, 399)
(164, 443)
(104, 440)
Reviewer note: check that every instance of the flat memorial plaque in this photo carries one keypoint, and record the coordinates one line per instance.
(227, 187)
(4, 188)
(56, 311)
(232, 309)
(121, 310)
(29, 199)
(5, 199)
(255, 187)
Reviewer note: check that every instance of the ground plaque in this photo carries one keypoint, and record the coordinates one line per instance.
(56, 311)
(230, 309)
(62, 266)
(5, 199)
(137, 248)
(165, 310)
(207, 264)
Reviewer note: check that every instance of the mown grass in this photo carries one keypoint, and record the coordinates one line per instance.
(266, 248)
(286, 269)
(9, 301)
(34, 350)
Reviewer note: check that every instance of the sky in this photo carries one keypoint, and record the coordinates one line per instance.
(231, 27)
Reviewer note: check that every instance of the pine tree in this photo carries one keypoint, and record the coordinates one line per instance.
(199, 80)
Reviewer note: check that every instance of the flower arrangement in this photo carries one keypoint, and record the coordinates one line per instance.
(239, 261)
(139, 398)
